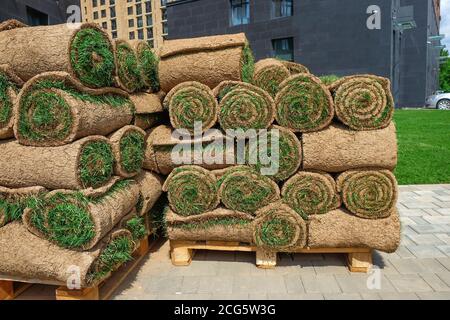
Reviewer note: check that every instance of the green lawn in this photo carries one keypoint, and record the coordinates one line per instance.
(424, 146)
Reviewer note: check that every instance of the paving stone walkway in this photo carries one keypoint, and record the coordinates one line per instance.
(420, 269)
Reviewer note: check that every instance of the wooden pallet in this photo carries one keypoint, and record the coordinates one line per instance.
(10, 289)
(182, 252)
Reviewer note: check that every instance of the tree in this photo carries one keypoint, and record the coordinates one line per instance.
(444, 75)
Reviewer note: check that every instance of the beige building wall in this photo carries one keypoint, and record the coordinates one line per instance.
(129, 19)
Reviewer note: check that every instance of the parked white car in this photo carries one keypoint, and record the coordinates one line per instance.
(439, 100)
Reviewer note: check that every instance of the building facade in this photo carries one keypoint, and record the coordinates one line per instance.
(32, 12)
(391, 38)
(129, 19)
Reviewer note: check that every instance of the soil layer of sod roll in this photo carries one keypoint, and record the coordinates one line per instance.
(86, 163)
(14, 201)
(209, 60)
(218, 225)
(9, 88)
(295, 68)
(161, 147)
(244, 106)
(190, 103)
(289, 157)
(269, 74)
(341, 229)
(148, 108)
(86, 52)
(129, 70)
(54, 109)
(279, 228)
(77, 220)
(191, 190)
(243, 189)
(150, 187)
(128, 145)
(363, 102)
(304, 104)
(149, 61)
(310, 193)
(11, 24)
(338, 149)
(370, 194)
(27, 257)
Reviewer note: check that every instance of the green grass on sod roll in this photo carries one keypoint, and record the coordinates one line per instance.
(96, 164)
(12, 209)
(136, 226)
(276, 232)
(130, 72)
(92, 58)
(6, 106)
(204, 225)
(149, 63)
(248, 64)
(329, 79)
(132, 150)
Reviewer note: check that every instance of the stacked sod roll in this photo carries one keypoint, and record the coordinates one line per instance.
(73, 192)
(332, 141)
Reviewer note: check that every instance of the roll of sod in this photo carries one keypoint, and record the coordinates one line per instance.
(191, 190)
(340, 229)
(54, 109)
(269, 74)
(245, 190)
(9, 88)
(289, 157)
(150, 186)
(304, 104)
(14, 201)
(363, 102)
(244, 106)
(161, 146)
(11, 24)
(310, 193)
(329, 79)
(217, 225)
(279, 228)
(149, 61)
(338, 149)
(190, 103)
(209, 60)
(86, 163)
(136, 225)
(79, 220)
(149, 109)
(26, 257)
(128, 145)
(370, 194)
(295, 68)
(129, 70)
(86, 52)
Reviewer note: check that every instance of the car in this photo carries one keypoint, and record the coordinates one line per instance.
(439, 100)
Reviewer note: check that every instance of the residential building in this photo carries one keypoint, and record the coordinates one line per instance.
(32, 12)
(129, 19)
(398, 39)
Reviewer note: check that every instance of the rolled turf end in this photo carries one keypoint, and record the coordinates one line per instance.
(269, 74)
(304, 104)
(191, 190)
(279, 228)
(9, 87)
(129, 69)
(149, 63)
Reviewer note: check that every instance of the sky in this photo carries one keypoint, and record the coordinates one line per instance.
(445, 23)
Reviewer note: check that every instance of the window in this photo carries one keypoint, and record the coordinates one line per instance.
(113, 12)
(240, 12)
(165, 28)
(151, 43)
(94, 3)
(283, 48)
(112, 2)
(130, 10)
(114, 24)
(132, 35)
(148, 7)
(149, 20)
(103, 13)
(95, 15)
(282, 8)
(36, 18)
(140, 22)
(102, 2)
(131, 23)
(163, 3)
(139, 9)
(114, 34)
(164, 14)
(149, 33)
(141, 34)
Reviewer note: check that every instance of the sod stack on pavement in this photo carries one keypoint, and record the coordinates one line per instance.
(72, 188)
(334, 187)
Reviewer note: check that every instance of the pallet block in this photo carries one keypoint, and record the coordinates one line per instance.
(182, 253)
(9, 290)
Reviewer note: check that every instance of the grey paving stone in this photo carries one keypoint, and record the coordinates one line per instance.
(435, 282)
(445, 262)
(259, 284)
(287, 296)
(190, 284)
(444, 276)
(409, 283)
(406, 221)
(404, 252)
(423, 229)
(332, 264)
(442, 198)
(425, 239)
(163, 285)
(227, 268)
(412, 212)
(293, 284)
(364, 283)
(444, 237)
(293, 264)
(437, 219)
(342, 296)
(431, 212)
(426, 251)
(320, 284)
(216, 285)
(420, 205)
(370, 296)
(434, 295)
(445, 249)
(419, 220)
(182, 297)
(230, 296)
(443, 205)
(398, 296)
(444, 211)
